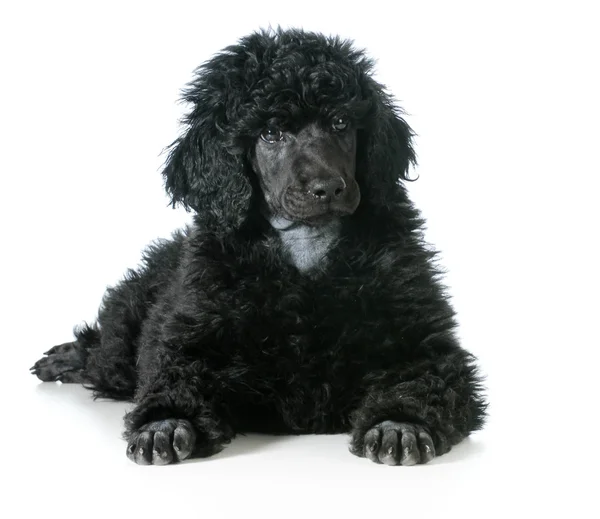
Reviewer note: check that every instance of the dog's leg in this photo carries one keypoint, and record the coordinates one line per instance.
(103, 361)
(178, 414)
(413, 414)
(163, 429)
(104, 354)
(64, 363)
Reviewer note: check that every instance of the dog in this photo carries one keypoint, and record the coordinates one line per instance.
(303, 298)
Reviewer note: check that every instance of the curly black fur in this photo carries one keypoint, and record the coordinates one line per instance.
(219, 333)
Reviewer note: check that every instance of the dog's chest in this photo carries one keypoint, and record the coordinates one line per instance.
(307, 247)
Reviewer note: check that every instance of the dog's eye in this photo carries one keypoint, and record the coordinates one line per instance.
(339, 124)
(271, 135)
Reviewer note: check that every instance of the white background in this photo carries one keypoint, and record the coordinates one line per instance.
(504, 99)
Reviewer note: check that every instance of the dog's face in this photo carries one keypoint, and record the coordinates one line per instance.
(308, 176)
(298, 115)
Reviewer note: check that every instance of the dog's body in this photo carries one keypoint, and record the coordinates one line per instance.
(302, 299)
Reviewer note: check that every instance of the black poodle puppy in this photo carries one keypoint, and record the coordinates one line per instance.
(303, 298)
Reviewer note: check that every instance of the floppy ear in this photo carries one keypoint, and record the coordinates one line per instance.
(385, 148)
(204, 172)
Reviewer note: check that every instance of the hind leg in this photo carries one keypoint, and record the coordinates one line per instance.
(64, 363)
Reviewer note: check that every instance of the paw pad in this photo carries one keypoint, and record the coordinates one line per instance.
(154, 443)
(395, 443)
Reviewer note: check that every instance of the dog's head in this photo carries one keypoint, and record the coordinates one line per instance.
(291, 122)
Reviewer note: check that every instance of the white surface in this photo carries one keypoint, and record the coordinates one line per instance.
(505, 102)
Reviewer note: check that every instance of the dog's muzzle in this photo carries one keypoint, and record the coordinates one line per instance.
(321, 197)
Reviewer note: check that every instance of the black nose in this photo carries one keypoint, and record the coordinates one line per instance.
(327, 189)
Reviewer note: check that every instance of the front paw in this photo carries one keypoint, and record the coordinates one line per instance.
(394, 443)
(161, 442)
